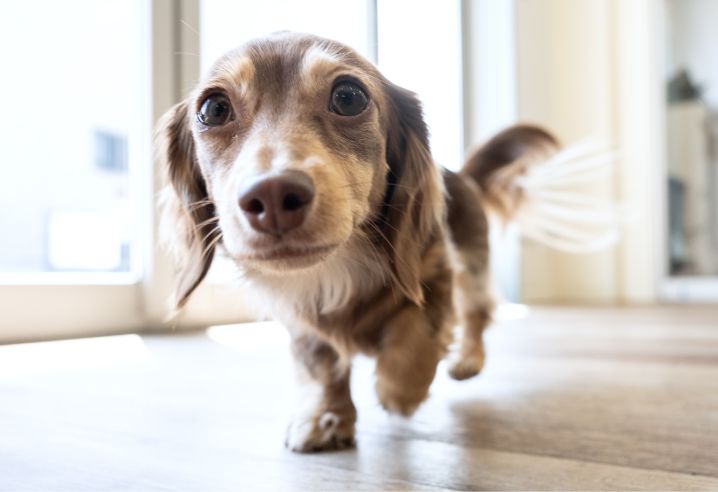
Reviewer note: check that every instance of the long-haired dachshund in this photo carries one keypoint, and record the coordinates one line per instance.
(313, 172)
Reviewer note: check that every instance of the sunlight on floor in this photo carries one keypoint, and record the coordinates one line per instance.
(67, 355)
(250, 337)
(508, 311)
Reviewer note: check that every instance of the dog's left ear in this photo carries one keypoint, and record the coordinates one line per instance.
(189, 225)
(414, 202)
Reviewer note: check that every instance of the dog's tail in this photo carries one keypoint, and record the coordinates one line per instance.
(526, 178)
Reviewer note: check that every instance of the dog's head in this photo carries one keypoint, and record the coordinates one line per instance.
(291, 148)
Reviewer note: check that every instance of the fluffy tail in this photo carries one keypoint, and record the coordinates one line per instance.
(525, 178)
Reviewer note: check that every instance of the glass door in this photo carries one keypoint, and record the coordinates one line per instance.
(691, 80)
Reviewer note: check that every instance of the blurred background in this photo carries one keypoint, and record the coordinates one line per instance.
(85, 80)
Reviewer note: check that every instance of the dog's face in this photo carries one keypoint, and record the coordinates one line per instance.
(290, 147)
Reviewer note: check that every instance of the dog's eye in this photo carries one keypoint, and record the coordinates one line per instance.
(215, 110)
(348, 99)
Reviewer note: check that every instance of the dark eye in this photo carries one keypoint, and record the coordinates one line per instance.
(215, 110)
(348, 99)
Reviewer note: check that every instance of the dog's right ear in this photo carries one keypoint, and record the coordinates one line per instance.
(188, 221)
(413, 206)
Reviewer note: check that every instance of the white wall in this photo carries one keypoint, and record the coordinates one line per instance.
(589, 69)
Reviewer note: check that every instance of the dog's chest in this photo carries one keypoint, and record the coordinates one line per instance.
(359, 326)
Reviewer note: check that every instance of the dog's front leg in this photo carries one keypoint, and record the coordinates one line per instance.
(327, 416)
(410, 351)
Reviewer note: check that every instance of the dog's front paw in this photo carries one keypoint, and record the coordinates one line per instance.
(466, 367)
(400, 400)
(325, 432)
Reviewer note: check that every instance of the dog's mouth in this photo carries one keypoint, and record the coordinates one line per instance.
(289, 255)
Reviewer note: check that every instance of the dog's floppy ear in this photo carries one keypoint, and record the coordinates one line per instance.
(189, 225)
(414, 202)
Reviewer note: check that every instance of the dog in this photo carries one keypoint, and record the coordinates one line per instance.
(313, 173)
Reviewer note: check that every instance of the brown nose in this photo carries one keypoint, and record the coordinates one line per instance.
(277, 204)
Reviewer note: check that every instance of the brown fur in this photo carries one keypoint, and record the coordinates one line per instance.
(507, 155)
(391, 251)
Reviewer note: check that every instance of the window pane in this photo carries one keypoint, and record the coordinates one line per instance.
(426, 58)
(225, 24)
(71, 81)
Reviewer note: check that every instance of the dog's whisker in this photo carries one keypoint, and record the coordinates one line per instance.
(189, 27)
(386, 240)
(211, 220)
(217, 233)
(199, 204)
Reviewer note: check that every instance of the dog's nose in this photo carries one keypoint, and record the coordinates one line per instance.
(277, 204)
